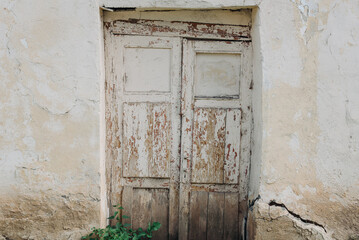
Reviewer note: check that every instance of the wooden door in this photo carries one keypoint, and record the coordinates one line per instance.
(147, 74)
(210, 190)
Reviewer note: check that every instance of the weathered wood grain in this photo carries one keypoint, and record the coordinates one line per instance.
(232, 148)
(182, 29)
(186, 139)
(143, 132)
(198, 216)
(127, 201)
(230, 225)
(208, 145)
(159, 208)
(147, 140)
(146, 154)
(215, 216)
(161, 141)
(214, 123)
(113, 120)
(141, 208)
(137, 150)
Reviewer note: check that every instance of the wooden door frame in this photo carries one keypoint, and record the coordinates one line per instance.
(185, 30)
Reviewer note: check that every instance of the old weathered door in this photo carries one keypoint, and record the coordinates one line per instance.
(147, 84)
(178, 124)
(211, 139)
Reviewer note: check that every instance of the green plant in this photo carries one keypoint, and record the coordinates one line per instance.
(121, 231)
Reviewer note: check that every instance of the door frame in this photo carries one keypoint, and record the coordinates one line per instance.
(184, 30)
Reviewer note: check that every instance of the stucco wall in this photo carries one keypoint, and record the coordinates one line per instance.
(310, 117)
(49, 118)
(306, 141)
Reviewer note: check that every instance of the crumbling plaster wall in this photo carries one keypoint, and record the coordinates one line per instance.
(310, 120)
(306, 108)
(49, 118)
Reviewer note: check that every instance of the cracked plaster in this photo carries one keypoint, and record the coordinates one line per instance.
(309, 149)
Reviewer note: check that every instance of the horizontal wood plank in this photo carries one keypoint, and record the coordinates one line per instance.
(181, 29)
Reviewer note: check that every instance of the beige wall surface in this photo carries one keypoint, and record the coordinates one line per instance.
(49, 118)
(310, 119)
(305, 155)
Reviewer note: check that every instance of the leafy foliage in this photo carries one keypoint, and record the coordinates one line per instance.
(122, 231)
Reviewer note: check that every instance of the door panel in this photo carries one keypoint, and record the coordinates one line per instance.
(151, 205)
(211, 134)
(217, 75)
(208, 145)
(144, 65)
(213, 215)
(146, 139)
(198, 215)
(216, 143)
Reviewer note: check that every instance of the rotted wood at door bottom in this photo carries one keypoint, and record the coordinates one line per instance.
(146, 205)
(213, 216)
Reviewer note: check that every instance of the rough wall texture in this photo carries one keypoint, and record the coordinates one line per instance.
(49, 119)
(50, 71)
(310, 115)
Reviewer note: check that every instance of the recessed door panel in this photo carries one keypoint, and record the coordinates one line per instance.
(147, 69)
(208, 145)
(213, 215)
(216, 145)
(217, 75)
(146, 139)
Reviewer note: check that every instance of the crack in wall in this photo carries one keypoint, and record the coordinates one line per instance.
(251, 203)
(250, 208)
(297, 216)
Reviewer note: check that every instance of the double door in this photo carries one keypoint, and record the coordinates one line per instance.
(177, 158)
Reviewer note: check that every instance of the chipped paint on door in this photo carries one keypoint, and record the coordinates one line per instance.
(232, 146)
(216, 145)
(208, 145)
(146, 138)
(188, 174)
(146, 96)
(212, 151)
